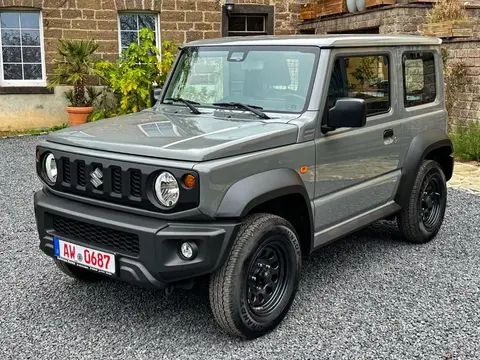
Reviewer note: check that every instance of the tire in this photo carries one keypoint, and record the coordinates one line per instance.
(420, 221)
(254, 289)
(78, 273)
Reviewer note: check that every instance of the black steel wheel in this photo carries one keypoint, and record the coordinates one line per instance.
(254, 289)
(268, 277)
(422, 218)
(431, 200)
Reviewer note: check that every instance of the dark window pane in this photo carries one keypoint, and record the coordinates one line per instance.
(30, 37)
(236, 23)
(128, 37)
(255, 23)
(10, 37)
(147, 21)
(12, 54)
(32, 71)
(10, 20)
(29, 20)
(419, 79)
(12, 72)
(364, 77)
(31, 54)
(128, 22)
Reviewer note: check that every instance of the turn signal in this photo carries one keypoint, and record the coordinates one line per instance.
(303, 169)
(189, 181)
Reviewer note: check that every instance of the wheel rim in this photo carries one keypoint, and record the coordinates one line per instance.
(431, 201)
(267, 277)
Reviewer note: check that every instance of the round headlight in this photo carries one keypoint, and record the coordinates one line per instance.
(166, 189)
(50, 166)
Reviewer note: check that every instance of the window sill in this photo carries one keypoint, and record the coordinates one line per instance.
(25, 90)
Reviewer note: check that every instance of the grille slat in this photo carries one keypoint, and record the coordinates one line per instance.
(116, 180)
(66, 171)
(136, 183)
(81, 181)
(96, 235)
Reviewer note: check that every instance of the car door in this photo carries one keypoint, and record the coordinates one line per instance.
(357, 169)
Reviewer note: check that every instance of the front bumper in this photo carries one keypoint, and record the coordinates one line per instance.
(155, 262)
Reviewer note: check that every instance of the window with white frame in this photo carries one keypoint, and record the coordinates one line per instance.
(130, 25)
(22, 55)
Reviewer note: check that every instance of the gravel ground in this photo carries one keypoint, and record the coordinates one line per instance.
(370, 296)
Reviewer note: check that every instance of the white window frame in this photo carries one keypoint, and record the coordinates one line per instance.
(157, 27)
(14, 83)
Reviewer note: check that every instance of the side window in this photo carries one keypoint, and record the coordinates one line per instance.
(364, 77)
(419, 78)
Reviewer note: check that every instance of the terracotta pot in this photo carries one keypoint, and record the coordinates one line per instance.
(78, 115)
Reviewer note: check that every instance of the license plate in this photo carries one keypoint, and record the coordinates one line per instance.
(84, 257)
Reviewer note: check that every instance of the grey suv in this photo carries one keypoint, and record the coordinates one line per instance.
(258, 151)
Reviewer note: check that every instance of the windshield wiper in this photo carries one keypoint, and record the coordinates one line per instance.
(190, 104)
(252, 108)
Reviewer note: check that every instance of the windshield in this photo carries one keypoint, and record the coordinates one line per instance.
(272, 78)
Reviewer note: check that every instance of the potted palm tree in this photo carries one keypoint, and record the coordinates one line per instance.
(78, 63)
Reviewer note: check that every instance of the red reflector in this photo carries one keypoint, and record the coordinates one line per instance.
(38, 156)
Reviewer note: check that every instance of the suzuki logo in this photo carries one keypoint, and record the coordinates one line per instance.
(96, 177)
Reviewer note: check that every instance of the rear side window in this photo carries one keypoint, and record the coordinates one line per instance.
(363, 77)
(419, 81)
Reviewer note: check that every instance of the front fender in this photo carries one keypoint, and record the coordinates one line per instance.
(256, 189)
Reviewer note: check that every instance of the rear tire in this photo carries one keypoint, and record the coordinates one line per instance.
(420, 221)
(78, 273)
(254, 289)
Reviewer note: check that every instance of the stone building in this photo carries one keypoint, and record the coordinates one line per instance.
(407, 17)
(30, 30)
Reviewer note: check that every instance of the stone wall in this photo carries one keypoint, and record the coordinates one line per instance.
(466, 106)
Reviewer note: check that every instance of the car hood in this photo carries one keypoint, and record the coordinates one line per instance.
(178, 135)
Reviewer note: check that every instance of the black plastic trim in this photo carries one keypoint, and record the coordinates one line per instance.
(257, 189)
(420, 147)
(158, 263)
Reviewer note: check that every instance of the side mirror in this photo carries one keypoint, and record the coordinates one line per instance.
(155, 95)
(347, 112)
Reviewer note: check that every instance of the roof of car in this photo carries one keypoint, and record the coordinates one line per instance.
(344, 40)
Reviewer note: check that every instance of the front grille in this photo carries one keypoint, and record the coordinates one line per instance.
(96, 235)
(119, 182)
(81, 174)
(66, 171)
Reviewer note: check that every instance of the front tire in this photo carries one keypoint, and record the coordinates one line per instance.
(422, 218)
(254, 289)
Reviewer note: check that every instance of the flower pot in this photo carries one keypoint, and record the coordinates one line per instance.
(360, 5)
(78, 115)
(351, 6)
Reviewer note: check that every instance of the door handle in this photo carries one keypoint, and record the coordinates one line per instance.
(388, 137)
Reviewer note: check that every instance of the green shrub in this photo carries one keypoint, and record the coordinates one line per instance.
(447, 10)
(466, 142)
(138, 69)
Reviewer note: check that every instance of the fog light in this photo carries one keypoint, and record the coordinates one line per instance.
(188, 250)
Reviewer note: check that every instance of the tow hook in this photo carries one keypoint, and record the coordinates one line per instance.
(169, 290)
